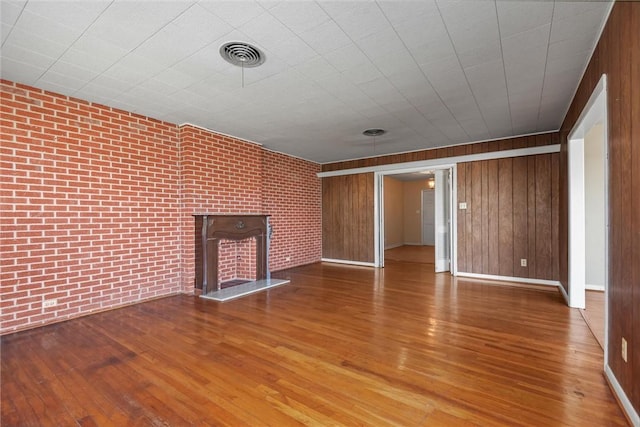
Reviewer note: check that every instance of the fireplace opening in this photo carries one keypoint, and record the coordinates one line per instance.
(236, 262)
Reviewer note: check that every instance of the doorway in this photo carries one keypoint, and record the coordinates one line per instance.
(588, 237)
(414, 217)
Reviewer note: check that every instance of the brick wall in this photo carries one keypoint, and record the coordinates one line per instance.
(292, 195)
(96, 204)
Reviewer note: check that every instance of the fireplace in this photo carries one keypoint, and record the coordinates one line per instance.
(225, 255)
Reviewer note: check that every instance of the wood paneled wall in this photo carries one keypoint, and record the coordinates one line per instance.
(347, 217)
(512, 213)
(618, 56)
(347, 209)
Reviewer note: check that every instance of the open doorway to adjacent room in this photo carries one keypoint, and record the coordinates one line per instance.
(415, 217)
(588, 242)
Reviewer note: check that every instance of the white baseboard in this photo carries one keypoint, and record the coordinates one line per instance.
(393, 245)
(510, 279)
(594, 287)
(627, 407)
(346, 261)
(564, 293)
(412, 244)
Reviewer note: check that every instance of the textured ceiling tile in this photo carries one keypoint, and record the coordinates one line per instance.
(325, 37)
(10, 11)
(235, 13)
(357, 19)
(72, 14)
(332, 68)
(19, 71)
(516, 17)
(299, 16)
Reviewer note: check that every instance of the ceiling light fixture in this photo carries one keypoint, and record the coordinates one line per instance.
(242, 55)
(374, 132)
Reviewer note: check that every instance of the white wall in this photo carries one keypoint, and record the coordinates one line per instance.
(413, 210)
(393, 212)
(595, 227)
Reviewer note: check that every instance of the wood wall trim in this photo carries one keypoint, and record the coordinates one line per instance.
(446, 161)
(523, 141)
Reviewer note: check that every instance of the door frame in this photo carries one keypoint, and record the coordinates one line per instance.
(594, 111)
(378, 201)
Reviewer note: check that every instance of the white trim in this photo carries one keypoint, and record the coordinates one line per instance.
(378, 223)
(622, 397)
(594, 111)
(454, 220)
(564, 293)
(444, 162)
(523, 135)
(510, 279)
(392, 246)
(594, 287)
(220, 133)
(346, 261)
(414, 244)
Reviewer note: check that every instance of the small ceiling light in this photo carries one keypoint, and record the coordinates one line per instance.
(431, 183)
(374, 132)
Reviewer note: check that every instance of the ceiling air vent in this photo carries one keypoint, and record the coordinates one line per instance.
(374, 132)
(242, 54)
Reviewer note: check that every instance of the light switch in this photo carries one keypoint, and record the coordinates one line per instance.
(463, 205)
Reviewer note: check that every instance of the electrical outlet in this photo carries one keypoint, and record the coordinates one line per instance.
(523, 262)
(624, 349)
(463, 205)
(50, 303)
(288, 258)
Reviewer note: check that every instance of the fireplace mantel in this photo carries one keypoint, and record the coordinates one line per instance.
(211, 228)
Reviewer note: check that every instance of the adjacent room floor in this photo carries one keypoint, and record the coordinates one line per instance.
(411, 253)
(339, 345)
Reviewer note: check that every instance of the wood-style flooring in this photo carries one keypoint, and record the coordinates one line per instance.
(409, 253)
(594, 314)
(339, 345)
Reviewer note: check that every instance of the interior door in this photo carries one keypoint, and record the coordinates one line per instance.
(443, 220)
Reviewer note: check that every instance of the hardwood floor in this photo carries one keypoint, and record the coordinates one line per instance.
(411, 253)
(339, 345)
(594, 314)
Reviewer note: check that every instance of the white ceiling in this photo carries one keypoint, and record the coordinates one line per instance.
(432, 73)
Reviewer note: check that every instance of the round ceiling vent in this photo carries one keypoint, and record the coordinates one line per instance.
(374, 132)
(242, 54)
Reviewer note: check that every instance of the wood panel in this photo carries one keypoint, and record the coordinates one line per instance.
(347, 217)
(326, 349)
(517, 218)
(520, 213)
(505, 216)
(462, 218)
(616, 55)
